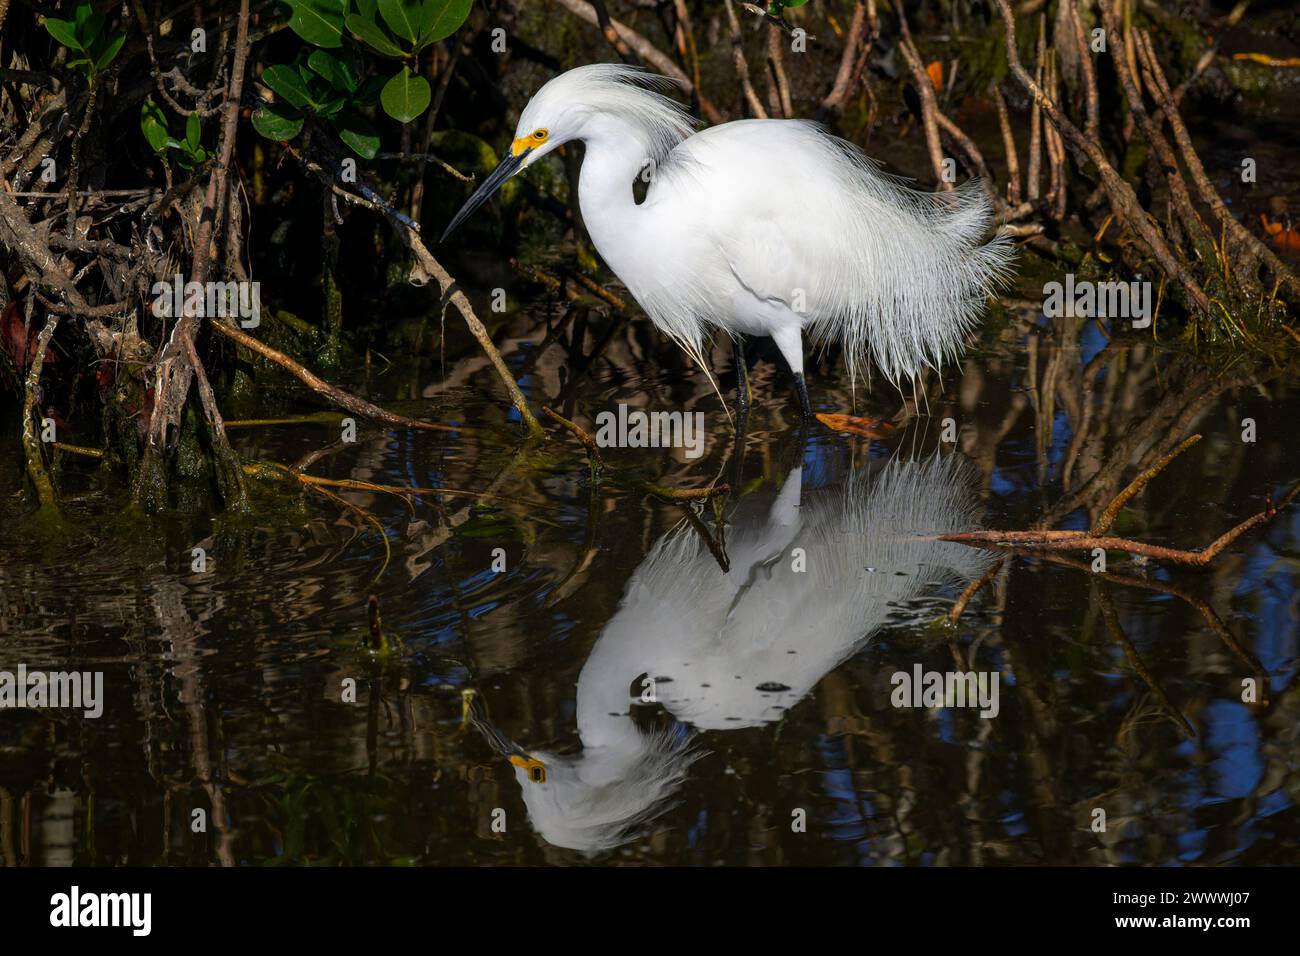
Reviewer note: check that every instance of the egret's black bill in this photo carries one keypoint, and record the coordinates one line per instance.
(476, 716)
(505, 169)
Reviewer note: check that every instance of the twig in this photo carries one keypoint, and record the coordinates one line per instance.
(691, 52)
(1247, 240)
(849, 69)
(1009, 146)
(319, 385)
(426, 268)
(81, 450)
(31, 446)
(929, 107)
(276, 470)
(1080, 541)
(776, 72)
(1111, 619)
(612, 36)
(742, 67)
(685, 494)
(974, 588)
(648, 52)
(1136, 485)
(1036, 117)
(1164, 587)
(580, 433)
(1124, 201)
(1091, 98)
(558, 284)
(317, 418)
(427, 158)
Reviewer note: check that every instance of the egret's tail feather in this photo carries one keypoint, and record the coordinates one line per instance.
(920, 273)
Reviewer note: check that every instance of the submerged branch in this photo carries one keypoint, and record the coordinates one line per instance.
(36, 469)
(319, 385)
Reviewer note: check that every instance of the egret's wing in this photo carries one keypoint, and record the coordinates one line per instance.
(754, 192)
(763, 260)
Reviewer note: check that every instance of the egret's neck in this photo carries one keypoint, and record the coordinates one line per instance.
(604, 697)
(616, 154)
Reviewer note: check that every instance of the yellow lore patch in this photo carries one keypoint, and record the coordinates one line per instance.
(531, 141)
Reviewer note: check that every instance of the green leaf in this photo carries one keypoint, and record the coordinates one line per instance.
(288, 84)
(319, 22)
(308, 77)
(402, 17)
(64, 32)
(109, 51)
(153, 123)
(373, 36)
(368, 9)
(89, 25)
(406, 96)
(369, 91)
(329, 106)
(278, 121)
(357, 133)
(439, 19)
(338, 73)
(193, 132)
(81, 14)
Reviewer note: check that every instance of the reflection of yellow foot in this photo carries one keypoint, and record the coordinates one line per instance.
(466, 698)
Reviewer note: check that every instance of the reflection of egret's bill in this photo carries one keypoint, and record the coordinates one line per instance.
(812, 577)
(475, 714)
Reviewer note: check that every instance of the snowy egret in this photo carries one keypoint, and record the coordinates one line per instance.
(763, 227)
(735, 648)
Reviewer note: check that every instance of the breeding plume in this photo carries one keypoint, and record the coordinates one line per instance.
(763, 227)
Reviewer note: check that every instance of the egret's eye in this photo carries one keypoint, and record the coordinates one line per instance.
(533, 768)
(541, 135)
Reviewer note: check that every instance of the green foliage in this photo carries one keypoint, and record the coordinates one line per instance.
(190, 151)
(322, 85)
(84, 34)
(406, 96)
(331, 821)
(776, 7)
(319, 22)
(329, 86)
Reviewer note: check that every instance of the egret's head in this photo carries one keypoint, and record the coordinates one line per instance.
(563, 110)
(600, 798)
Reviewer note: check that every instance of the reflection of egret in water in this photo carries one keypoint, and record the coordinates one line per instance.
(812, 577)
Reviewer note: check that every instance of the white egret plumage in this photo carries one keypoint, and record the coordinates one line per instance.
(738, 647)
(763, 227)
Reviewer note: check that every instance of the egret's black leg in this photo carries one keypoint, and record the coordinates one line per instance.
(742, 410)
(742, 373)
(805, 404)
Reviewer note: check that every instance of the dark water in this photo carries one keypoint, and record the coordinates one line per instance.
(769, 737)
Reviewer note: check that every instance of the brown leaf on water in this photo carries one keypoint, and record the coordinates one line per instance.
(934, 70)
(1285, 237)
(867, 427)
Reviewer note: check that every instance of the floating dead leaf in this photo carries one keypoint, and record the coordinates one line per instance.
(1285, 237)
(867, 427)
(934, 70)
